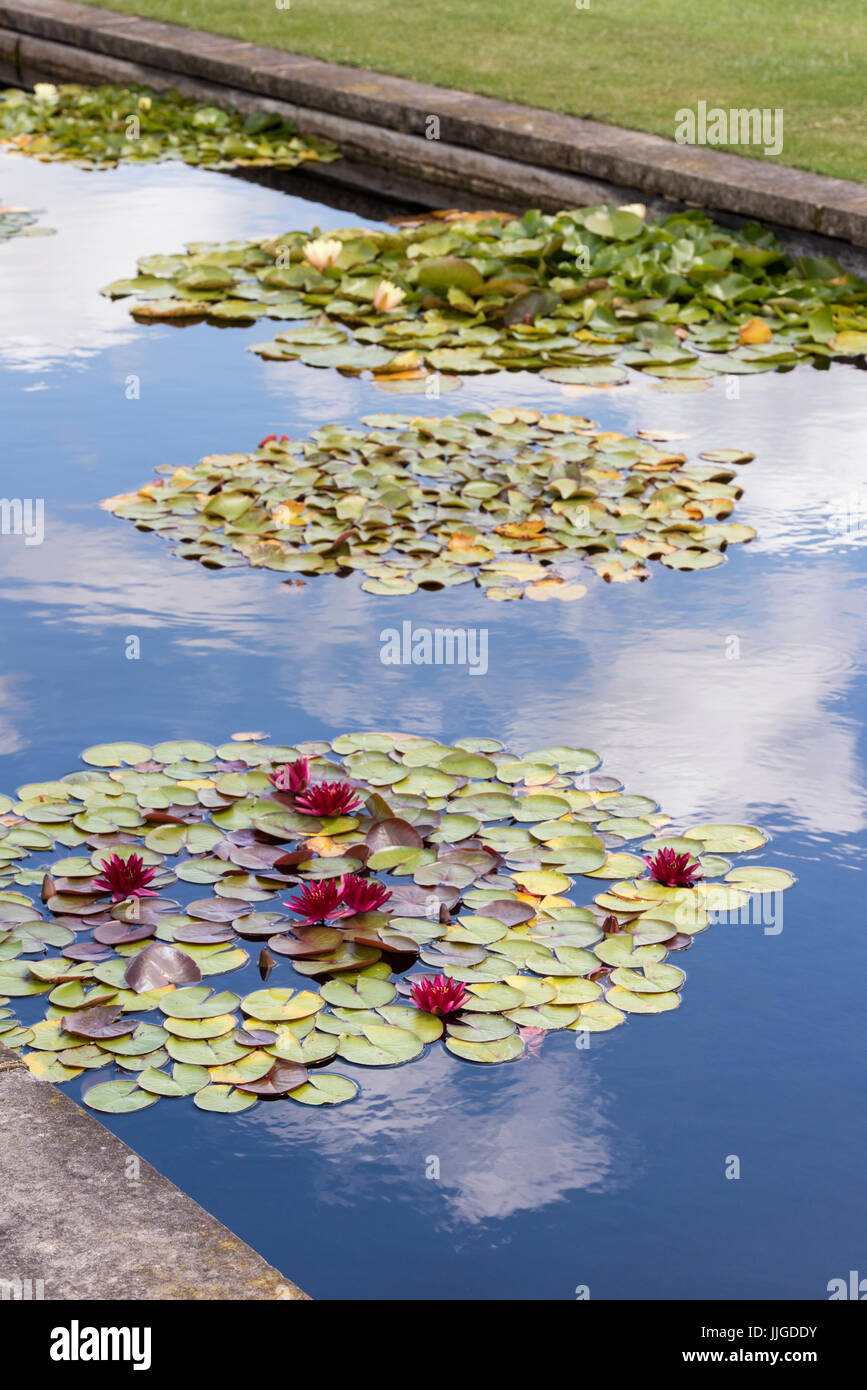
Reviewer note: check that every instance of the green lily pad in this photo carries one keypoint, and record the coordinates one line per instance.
(325, 1088)
(491, 1051)
(381, 1046)
(119, 1097)
(185, 1080)
(223, 1100)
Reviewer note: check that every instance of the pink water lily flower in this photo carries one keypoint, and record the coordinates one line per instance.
(329, 799)
(387, 297)
(441, 995)
(674, 870)
(317, 902)
(359, 894)
(125, 878)
(292, 777)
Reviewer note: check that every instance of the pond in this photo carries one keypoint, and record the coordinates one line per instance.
(734, 695)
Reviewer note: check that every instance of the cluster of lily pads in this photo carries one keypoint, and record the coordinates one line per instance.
(516, 502)
(15, 221)
(400, 892)
(100, 127)
(579, 296)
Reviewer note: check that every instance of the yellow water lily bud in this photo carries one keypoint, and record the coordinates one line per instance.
(387, 297)
(323, 252)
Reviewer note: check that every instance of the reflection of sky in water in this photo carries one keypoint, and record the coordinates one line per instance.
(600, 1166)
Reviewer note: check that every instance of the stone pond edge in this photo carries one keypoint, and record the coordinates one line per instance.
(486, 148)
(84, 1217)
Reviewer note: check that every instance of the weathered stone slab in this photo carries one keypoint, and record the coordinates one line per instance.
(84, 1217)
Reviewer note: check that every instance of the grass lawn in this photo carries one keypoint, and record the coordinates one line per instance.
(630, 62)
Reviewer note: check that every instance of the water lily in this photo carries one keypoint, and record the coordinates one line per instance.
(359, 894)
(125, 878)
(329, 799)
(323, 252)
(292, 777)
(387, 297)
(145, 103)
(441, 995)
(674, 870)
(316, 902)
(46, 91)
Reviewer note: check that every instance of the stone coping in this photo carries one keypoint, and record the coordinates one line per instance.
(85, 1218)
(486, 147)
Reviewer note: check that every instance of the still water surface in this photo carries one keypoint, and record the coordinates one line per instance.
(601, 1166)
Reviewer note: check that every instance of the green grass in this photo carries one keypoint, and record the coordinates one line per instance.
(629, 62)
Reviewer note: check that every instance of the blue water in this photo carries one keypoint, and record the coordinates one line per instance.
(602, 1166)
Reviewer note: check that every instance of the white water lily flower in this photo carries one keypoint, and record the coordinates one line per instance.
(387, 297)
(323, 252)
(46, 91)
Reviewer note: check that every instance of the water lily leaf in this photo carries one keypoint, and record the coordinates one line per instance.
(380, 1046)
(644, 1003)
(224, 1100)
(572, 989)
(363, 993)
(315, 1047)
(727, 839)
(160, 965)
(492, 998)
(252, 1067)
(597, 1017)
(201, 1027)
(99, 1022)
(279, 1081)
(489, 1051)
(548, 1016)
(450, 272)
(651, 979)
(541, 883)
(47, 1068)
(198, 1001)
(75, 995)
(185, 1080)
(116, 754)
(119, 1097)
(476, 1028)
(276, 1004)
(214, 1052)
(146, 1039)
(755, 878)
(325, 1088)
